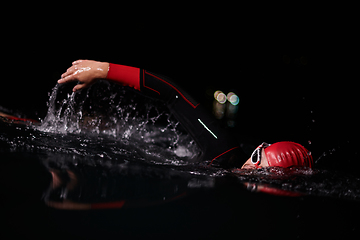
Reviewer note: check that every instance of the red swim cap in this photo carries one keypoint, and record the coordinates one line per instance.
(287, 154)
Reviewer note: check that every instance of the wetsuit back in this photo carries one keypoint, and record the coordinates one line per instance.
(218, 146)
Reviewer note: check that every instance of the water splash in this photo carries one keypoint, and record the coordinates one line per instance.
(65, 119)
(107, 121)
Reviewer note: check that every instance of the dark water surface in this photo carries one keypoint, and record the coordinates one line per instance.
(107, 163)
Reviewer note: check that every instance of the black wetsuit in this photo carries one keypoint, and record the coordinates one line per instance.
(218, 146)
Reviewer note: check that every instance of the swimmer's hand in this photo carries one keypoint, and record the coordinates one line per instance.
(87, 72)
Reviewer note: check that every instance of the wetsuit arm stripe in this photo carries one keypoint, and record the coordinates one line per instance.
(130, 76)
(125, 75)
(194, 106)
(143, 80)
(223, 154)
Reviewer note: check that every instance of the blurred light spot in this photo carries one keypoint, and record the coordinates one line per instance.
(220, 97)
(233, 98)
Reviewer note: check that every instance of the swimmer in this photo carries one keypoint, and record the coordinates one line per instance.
(218, 147)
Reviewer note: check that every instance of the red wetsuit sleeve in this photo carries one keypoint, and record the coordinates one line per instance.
(125, 75)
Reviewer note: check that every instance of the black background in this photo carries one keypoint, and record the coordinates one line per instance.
(289, 64)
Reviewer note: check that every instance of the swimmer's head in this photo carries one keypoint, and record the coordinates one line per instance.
(280, 154)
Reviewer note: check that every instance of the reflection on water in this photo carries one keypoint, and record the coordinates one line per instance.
(110, 148)
(120, 186)
(301, 181)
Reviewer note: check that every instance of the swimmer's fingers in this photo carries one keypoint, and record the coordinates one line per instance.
(67, 78)
(69, 71)
(72, 78)
(80, 86)
(70, 74)
(77, 62)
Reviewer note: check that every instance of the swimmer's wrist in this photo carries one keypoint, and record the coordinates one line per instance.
(103, 70)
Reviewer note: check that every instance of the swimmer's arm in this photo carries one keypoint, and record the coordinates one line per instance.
(88, 72)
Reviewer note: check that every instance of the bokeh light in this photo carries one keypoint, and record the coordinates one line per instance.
(233, 98)
(220, 97)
